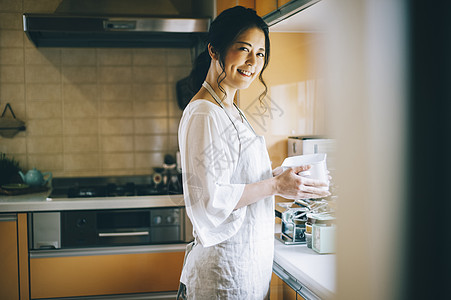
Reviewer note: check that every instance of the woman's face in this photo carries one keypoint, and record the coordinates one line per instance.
(244, 59)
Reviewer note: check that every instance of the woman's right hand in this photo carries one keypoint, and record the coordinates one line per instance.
(290, 185)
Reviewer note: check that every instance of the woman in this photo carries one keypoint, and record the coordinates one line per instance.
(228, 184)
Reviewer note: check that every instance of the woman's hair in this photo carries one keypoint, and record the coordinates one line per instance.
(224, 30)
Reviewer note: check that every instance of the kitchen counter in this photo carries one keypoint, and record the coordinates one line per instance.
(310, 273)
(42, 202)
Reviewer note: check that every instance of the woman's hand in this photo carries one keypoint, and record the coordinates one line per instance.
(277, 171)
(290, 185)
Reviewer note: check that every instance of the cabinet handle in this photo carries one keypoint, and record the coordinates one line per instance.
(133, 233)
(8, 217)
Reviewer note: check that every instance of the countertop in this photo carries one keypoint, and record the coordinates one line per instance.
(314, 272)
(42, 202)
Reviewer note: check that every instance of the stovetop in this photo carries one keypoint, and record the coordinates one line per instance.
(115, 186)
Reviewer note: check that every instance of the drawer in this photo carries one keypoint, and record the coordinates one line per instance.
(85, 275)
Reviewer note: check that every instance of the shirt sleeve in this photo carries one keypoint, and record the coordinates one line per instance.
(209, 158)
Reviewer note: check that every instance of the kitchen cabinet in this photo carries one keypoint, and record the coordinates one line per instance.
(264, 7)
(69, 274)
(225, 4)
(13, 257)
(282, 291)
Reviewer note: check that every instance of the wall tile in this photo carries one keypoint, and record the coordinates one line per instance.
(45, 127)
(81, 162)
(43, 91)
(82, 108)
(114, 57)
(151, 143)
(115, 74)
(179, 57)
(44, 109)
(11, 56)
(151, 125)
(18, 107)
(173, 125)
(85, 126)
(11, 38)
(177, 73)
(80, 144)
(116, 109)
(88, 112)
(117, 161)
(78, 57)
(44, 145)
(151, 57)
(115, 126)
(173, 143)
(146, 92)
(41, 6)
(12, 92)
(10, 5)
(155, 74)
(150, 108)
(116, 91)
(10, 21)
(174, 109)
(45, 162)
(117, 144)
(11, 74)
(42, 74)
(79, 74)
(43, 56)
(13, 146)
(148, 160)
(27, 42)
(80, 92)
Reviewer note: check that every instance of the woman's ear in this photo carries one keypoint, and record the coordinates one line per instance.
(212, 52)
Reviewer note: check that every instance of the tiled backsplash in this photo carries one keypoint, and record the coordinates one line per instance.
(88, 112)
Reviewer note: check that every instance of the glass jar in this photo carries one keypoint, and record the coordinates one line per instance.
(323, 233)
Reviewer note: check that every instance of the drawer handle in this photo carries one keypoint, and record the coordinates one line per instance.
(133, 233)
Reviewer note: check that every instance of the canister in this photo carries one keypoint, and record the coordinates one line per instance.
(323, 233)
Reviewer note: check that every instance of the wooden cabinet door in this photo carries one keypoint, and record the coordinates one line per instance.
(224, 4)
(9, 276)
(105, 274)
(264, 7)
(282, 2)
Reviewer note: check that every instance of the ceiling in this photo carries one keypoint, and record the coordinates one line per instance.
(311, 19)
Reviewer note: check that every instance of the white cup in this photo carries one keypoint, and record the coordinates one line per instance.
(318, 166)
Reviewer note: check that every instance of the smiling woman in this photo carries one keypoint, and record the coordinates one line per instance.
(228, 183)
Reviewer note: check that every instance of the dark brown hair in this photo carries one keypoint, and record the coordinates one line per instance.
(224, 31)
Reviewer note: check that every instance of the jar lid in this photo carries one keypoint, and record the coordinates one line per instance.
(320, 219)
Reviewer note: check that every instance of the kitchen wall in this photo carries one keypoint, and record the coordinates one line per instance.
(88, 112)
(295, 101)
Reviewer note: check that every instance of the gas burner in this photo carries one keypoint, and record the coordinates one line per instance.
(119, 186)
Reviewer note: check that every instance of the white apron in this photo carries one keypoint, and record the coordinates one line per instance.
(241, 266)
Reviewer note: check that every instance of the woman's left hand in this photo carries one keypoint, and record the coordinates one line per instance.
(277, 171)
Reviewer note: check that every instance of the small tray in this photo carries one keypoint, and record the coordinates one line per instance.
(21, 189)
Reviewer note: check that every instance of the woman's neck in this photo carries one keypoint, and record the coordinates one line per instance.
(227, 98)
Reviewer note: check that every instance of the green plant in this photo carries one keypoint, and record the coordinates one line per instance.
(9, 169)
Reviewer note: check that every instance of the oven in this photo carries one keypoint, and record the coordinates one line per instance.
(106, 228)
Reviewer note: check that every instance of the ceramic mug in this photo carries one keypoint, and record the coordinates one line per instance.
(317, 163)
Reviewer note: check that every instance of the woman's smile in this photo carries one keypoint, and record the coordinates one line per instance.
(245, 59)
(245, 73)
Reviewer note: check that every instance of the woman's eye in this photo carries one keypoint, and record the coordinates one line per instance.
(261, 54)
(244, 49)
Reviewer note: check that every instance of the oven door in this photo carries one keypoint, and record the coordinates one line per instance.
(120, 227)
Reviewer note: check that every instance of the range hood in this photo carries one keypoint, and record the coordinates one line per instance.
(119, 23)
